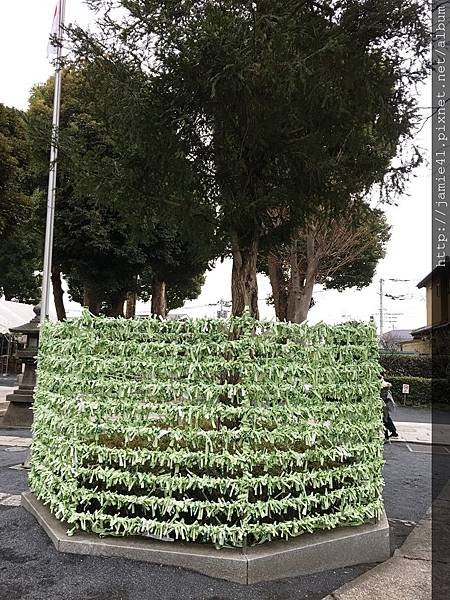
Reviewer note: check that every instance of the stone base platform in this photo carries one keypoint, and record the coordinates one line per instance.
(18, 414)
(303, 555)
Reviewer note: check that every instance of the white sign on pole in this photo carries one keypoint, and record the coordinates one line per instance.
(405, 389)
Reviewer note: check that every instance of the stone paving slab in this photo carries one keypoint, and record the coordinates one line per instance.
(414, 432)
(12, 440)
(423, 433)
(405, 576)
(418, 544)
(306, 554)
(9, 499)
(398, 579)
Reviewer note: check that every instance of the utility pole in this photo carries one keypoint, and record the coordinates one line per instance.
(381, 306)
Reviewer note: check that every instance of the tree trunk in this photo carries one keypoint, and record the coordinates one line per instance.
(244, 286)
(302, 284)
(90, 301)
(279, 291)
(58, 294)
(301, 304)
(117, 302)
(159, 300)
(130, 307)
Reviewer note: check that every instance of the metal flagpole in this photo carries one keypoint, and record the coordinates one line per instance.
(48, 248)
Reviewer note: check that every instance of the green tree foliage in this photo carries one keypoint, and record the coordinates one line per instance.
(153, 176)
(19, 244)
(288, 106)
(101, 246)
(14, 156)
(187, 288)
(90, 243)
(174, 276)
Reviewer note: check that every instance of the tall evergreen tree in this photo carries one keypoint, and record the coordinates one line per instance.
(276, 99)
(102, 247)
(19, 244)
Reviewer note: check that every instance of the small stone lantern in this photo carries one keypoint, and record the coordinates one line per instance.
(19, 413)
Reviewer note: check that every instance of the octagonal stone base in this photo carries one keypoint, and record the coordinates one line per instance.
(303, 555)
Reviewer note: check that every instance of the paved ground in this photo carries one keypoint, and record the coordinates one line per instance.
(422, 425)
(5, 390)
(409, 574)
(423, 433)
(405, 576)
(8, 380)
(421, 415)
(19, 432)
(7, 386)
(410, 413)
(30, 568)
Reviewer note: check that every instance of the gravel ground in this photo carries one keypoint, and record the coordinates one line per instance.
(30, 568)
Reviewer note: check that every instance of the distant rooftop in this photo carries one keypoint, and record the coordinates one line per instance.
(397, 335)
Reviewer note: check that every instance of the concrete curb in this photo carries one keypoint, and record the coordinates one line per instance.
(306, 554)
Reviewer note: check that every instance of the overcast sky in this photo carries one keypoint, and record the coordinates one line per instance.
(24, 31)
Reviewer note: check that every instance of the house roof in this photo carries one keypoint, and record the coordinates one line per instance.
(13, 314)
(430, 328)
(437, 270)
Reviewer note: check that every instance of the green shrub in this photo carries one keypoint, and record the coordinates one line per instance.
(205, 430)
(421, 391)
(414, 366)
